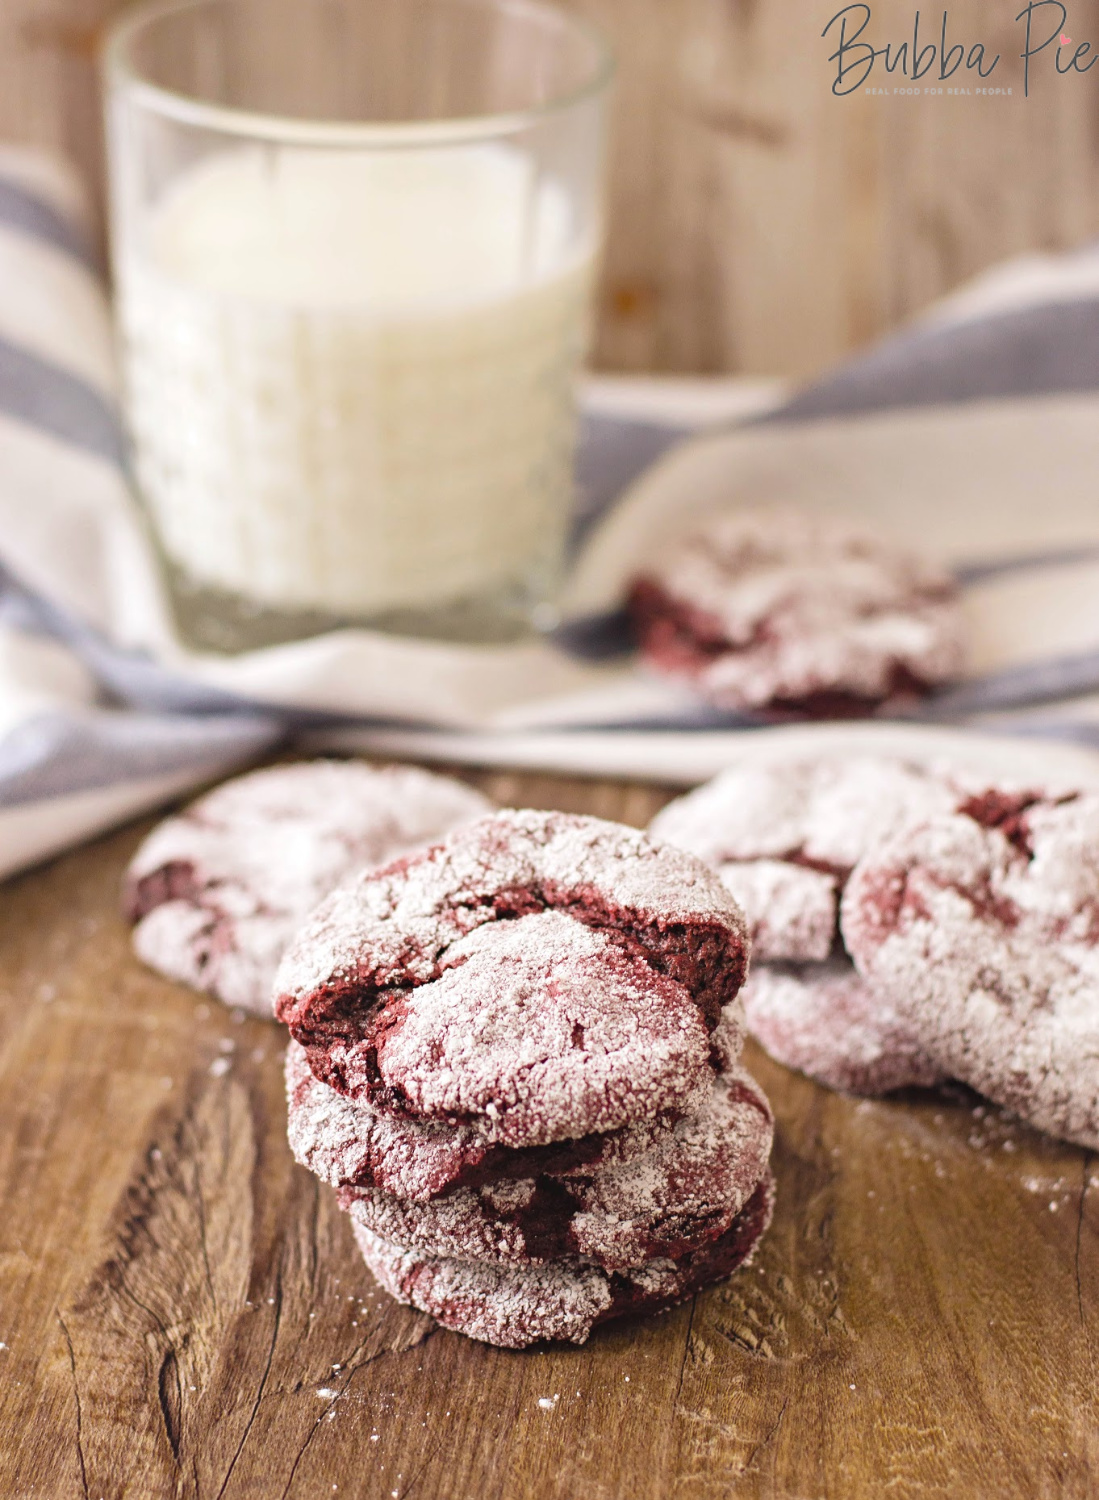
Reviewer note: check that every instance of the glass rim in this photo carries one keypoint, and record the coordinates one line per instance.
(189, 109)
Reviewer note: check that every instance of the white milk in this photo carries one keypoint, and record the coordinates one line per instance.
(349, 375)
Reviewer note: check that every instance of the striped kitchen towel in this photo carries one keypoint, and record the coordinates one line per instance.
(975, 431)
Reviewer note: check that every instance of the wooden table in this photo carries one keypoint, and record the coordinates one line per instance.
(183, 1313)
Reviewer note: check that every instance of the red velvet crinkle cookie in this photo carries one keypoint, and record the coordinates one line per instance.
(538, 975)
(514, 1306)
(347, 1143)
(824, 1020)
(785, 836)
(217, 891)
(677, 1197)
(982, 930)
(781, 607)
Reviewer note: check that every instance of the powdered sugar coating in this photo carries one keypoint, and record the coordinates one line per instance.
(343, 1141)
(686, 1191)
(791, 910)
(349, 1144)
(727, 1041)
(534, 1025)
(780, 605)
(982, 930)
(824, 1020)
(784, 837)
(513, 1306)
(823, 812)
(538, 974)
(683, 1192)
(507, 1306)
(218, 890)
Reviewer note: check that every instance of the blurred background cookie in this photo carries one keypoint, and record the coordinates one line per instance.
(216, 892)
(780, 608)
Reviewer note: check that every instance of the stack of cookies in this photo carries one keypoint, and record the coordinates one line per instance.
(516, 1056)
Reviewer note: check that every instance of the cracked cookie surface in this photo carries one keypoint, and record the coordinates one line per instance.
(540, 976)
(515, 1306)
(674, 1198)
(982, 930)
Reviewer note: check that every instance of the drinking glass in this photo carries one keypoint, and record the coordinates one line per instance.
(354, 244)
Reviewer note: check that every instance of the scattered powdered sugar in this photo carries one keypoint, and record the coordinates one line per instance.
(826, 1021)
(218, 890)
(777, 604)
(983, 932)
(683, 1192)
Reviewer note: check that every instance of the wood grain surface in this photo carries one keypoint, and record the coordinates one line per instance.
(183, 1313)
(758, 224)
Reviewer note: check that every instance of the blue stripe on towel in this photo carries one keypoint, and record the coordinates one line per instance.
(67, 407)
(1083, 732)
(23, 210)
(58, 753)
(1046, 681)
(611, 452)
(1045, 349)
(1024, 562)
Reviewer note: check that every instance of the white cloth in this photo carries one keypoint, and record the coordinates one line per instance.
(104, 712)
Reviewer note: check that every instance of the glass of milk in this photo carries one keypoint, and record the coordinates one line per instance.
(354, 244)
